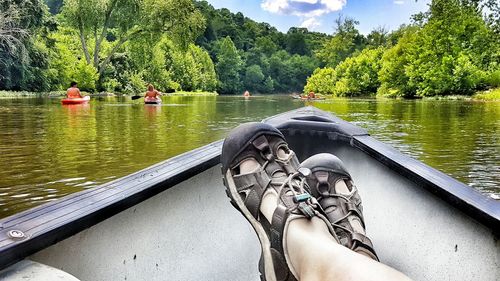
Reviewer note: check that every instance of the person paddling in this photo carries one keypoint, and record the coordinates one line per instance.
(73, 92)
(152, 94)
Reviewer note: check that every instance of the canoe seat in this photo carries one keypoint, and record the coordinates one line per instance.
(27, 270)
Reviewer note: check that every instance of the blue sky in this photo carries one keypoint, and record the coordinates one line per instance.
(319, 15)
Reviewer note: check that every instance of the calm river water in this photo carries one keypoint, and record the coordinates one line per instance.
(48, 150)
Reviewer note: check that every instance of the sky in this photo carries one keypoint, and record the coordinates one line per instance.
(319, 15)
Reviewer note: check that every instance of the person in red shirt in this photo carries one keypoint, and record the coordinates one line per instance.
(73, 92)
(152, 94)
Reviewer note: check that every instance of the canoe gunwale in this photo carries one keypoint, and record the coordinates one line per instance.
(52, 222)
(55, 221)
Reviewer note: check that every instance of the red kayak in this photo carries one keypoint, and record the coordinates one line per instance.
(150, 100)
(76, 100)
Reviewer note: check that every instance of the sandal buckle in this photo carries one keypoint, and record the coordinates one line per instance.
(306, 210)
(301, 197)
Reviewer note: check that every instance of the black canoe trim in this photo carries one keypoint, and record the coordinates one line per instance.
(50, 223)
(461, 196)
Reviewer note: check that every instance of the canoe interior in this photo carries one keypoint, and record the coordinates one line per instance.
(189, 231)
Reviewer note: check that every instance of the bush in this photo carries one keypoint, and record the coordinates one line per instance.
(493, 78)
(355, 76)
(322, 81)
(135, 83)
(86, 76)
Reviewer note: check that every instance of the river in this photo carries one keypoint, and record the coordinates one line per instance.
(48, 150)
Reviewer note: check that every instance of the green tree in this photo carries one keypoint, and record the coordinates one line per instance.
(253, 78)
(128, 19)
(451, 53)
(66, 66)
(345, 42)
(393, 75)
(228, 67)
(322, 81)
(296, 41)
(356, 76)
(378, 37)
(23, 55)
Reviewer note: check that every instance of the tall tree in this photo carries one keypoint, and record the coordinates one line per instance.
(296, 41)
(345, 42)
(12, 35)
(23, 59)
(228, 66)
(128, 19)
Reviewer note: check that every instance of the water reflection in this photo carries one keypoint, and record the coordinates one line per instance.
(49, 150)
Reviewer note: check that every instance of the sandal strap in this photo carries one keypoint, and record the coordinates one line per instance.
(290, 165)
(253, 186)
(262, 144)
(280, 216)
(361, 241)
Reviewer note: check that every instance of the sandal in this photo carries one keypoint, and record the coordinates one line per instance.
(277, 170)
(343, 209)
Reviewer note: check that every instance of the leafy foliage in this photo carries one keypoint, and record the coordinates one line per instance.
(121, 45)
(23, 55)
(450, 54)
(228, 66)
(346, 41)
(355, 76)
(451, 49)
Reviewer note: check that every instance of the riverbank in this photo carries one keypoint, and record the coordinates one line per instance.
(489, 95)
(55, 94)
(493, 94)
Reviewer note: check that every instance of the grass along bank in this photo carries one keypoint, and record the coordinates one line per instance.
(493, 94)
(54, 94)
(488, 95)
(183, 93)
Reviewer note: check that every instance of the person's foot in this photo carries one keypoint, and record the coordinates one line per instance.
(332, 186)
(262, 181)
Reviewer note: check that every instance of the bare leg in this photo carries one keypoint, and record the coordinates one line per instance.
(315, 255)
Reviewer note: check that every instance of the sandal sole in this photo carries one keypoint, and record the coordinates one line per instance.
(237, 202)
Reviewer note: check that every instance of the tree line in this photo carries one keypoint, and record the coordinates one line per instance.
(121, 45)
(451, 49)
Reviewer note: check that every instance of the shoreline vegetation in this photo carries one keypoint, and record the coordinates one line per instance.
(61, 94)
(188, 46)
(489, 95)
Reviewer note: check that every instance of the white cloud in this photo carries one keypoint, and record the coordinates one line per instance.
(308, 10)
(275, 6)
(304, 8)
(310, 23)
(399, 2)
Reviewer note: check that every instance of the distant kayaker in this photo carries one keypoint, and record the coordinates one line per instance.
(73, 92)
(246, 94)
(152, 94)
(311, 95)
